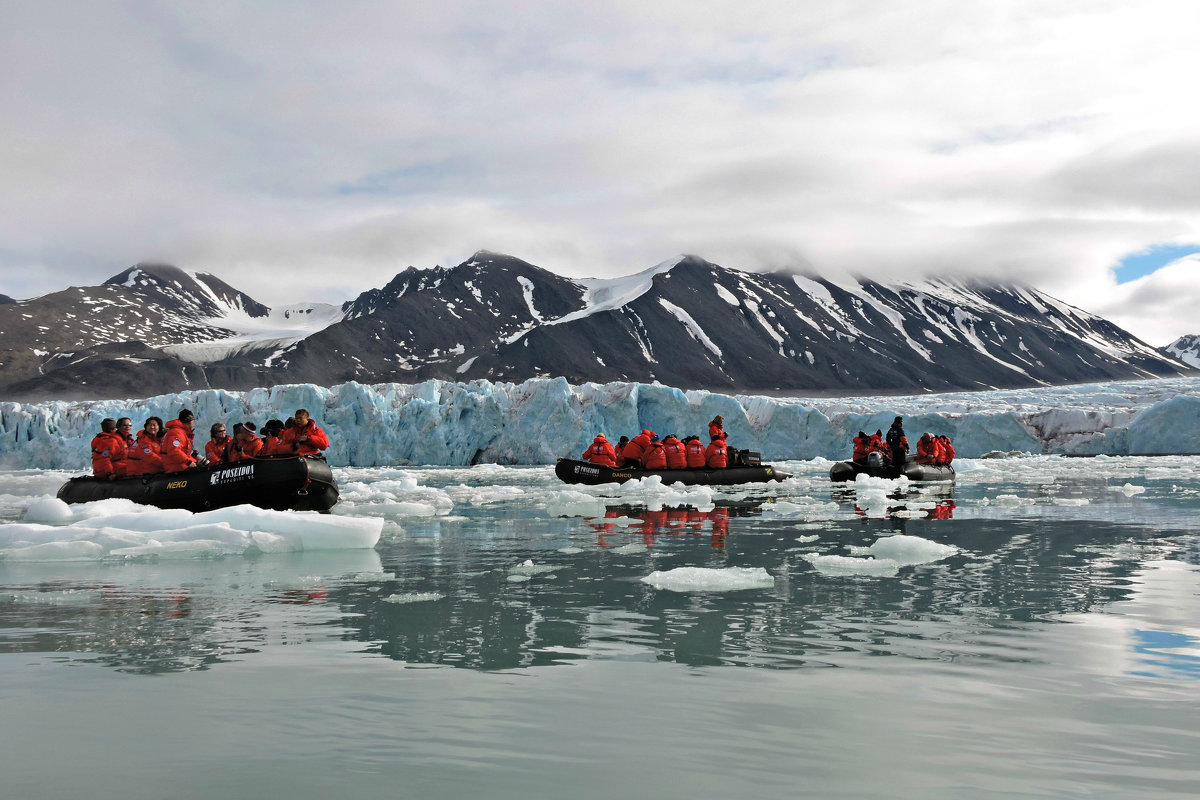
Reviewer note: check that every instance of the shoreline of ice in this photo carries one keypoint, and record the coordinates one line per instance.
(459, 424)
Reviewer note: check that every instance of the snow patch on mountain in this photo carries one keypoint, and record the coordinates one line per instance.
(1186, 349)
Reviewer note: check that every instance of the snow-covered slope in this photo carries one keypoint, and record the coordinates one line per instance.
(1186, 349)
(436, 422)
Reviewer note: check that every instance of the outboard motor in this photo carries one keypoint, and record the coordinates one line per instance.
(875, 460)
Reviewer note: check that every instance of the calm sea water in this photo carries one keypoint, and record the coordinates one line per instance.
(506, 650)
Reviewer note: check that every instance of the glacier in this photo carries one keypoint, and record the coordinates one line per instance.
(442, 423)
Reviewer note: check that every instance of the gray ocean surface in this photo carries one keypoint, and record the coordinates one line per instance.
(1038, 636)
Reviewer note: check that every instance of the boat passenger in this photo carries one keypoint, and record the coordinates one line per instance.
(601, 452)
(656, 455)
(108, 451)
(305, 437)
(927, 449)
(862, 446)
(125, 429)
(715, 456)
(620, 449)
(897, 442)
(693, 451)
(947, 451)
(716, 427)
(636, 449)
(217, 449)
(177, 453)
(272, 443)
(676, 457)
(144, 457)
(245, 444)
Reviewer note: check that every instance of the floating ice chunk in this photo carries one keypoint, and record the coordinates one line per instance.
(1009, 500)
(1129, 490)
(529, 569)
(906, 550)
(199, 548)
(629, 549)
(569, 503)
(1071, 501)
(845, 565)
(49, 510)
(414, 597)
(704, 579)
(807, 539)
(56, 551)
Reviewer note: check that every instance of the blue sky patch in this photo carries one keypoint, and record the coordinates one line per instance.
(1144, 262)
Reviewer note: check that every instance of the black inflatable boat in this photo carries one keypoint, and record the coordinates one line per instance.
(849, 470)
(277, 482)
(570, 470)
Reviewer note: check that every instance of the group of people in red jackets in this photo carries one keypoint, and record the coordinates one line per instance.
(648, 451)
(157, 448)
(934, 449)
(931, 448)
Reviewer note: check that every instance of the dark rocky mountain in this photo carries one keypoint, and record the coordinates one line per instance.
(6, 299)
(686, 323)
(1186, 349)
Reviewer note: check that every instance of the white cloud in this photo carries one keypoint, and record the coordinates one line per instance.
(311, 151)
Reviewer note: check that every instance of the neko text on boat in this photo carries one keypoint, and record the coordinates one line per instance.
(570, 470)
(282, 483)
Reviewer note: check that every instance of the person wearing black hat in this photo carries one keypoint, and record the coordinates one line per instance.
(897, 442)
(177, 452)
(245, 444)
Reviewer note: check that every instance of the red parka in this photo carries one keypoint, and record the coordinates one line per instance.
(676, 457)
(862, 446)
(601, 452)
(694, 453)
(927, 450)
(715, 456)
(243, 451)
(637, 447)
(949, 456)
(177, 447)
(655, 456)
(217, 451)
(317, 440)
(144, 457)
(715, 429)
(108, 455)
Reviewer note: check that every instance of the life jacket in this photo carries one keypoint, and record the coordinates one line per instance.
(176, 448)
(676, 457)
(243, 451)
(862, 446)
(144, 458)
(108, 451)
(655, 456)
(317, 440)
(714, 455)
(694, 453)
(601, 452)
(927, 450)
(216, 452)
(637, 447)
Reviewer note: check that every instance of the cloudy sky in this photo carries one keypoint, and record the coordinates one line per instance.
(309, 151)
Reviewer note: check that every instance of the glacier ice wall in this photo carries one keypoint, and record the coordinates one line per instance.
(443, 423)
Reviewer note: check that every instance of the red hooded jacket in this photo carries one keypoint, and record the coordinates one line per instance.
(694, 452)
(715, 454)
(108, 455)
(176, 448)
(676, 457)
(637, 447)
(601, 452)
(655, 456)
(317, 440)
(144, 457)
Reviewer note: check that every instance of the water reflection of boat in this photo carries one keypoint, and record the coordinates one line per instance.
(680, 521)
(289, 483)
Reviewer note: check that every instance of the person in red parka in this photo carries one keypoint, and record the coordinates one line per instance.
(216, 450)
(655, 456)
(714, 455)
(947, 449)
(176, 449)
(108, 450)
(144, 457)
(304, 437)
(636, 449)
(245, 444)
(676, 457)
(716, 427)
(125, 430)
(620, 450)
(927, 449)
(272, 440)
(862, 446)
(693, 451)
(601, 452)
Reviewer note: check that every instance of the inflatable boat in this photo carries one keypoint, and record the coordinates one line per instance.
(877, 468)
(570, 470)
(276, 482)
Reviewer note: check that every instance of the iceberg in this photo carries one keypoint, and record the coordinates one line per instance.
(443, 423)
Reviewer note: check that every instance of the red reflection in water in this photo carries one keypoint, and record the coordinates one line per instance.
(668, 522)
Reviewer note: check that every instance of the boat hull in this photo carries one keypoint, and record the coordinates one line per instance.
(288, 483)
(849, 470)
(570, 470)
